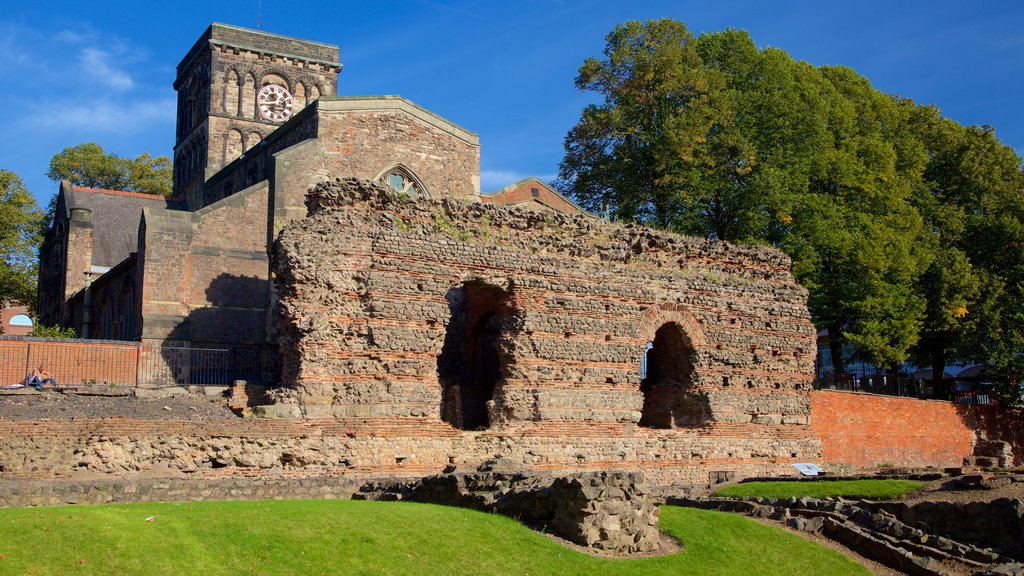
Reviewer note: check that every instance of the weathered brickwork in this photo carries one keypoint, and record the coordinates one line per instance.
(536, 324)
(850, 428)
(380, 447)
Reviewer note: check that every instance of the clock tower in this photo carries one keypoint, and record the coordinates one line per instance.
(236, 86)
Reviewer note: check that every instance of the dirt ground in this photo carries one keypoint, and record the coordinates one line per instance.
(27, 404)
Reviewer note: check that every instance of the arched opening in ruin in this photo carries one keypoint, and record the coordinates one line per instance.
(667, 379)
(471, 365)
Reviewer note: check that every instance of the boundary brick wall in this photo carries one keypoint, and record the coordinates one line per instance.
(71, 361)
(861, 431)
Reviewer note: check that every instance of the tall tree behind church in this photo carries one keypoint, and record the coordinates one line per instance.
(88, 165)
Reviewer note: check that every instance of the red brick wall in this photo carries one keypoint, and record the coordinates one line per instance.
(72, 362)
(866, 431)
(6, 315)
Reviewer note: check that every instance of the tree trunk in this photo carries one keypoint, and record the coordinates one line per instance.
(835, 348)
(938, 369)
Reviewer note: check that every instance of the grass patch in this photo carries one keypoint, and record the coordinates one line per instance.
(356, 538)
(872, 489)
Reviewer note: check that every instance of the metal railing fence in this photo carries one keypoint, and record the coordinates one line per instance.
(79, 362)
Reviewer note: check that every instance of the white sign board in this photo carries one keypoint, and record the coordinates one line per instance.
(808, 469)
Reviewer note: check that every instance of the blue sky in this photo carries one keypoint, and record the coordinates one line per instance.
(102, 71)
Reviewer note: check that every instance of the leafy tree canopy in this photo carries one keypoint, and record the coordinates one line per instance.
(88, 165)
(20, 234)
(904, 225)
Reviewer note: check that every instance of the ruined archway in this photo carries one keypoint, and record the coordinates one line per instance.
(667, 369)
(472, 362)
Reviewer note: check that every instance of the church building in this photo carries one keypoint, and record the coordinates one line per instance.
(259, 122)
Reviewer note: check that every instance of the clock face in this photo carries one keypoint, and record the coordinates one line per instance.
(275, 103)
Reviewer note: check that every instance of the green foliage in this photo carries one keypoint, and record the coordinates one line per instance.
(873, 489)
(355, 537)
(20, 234)
(88, 165)
(905, 226)
(40, 331)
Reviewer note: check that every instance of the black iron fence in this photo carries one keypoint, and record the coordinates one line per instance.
(905, 386)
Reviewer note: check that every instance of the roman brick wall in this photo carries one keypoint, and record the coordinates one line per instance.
(364, 448)
(388, 302)
(863, 431)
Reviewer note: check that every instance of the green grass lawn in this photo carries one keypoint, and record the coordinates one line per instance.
(872, 489)
(353, 537)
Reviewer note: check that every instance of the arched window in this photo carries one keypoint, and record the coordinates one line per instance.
(232, 146)
(253, 139)
(231, 93)
(403, 181)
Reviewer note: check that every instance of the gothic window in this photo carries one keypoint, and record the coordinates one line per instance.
(403, 182)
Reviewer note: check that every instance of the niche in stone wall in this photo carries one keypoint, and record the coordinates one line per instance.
(667, 381)
(473, 360)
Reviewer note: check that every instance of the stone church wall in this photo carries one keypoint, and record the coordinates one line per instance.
(206, 272)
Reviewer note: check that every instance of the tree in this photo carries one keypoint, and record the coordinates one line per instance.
(634, 152)
(711, 136)
(20, 234)
(88, 165)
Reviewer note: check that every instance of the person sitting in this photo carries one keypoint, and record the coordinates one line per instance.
(40, 377)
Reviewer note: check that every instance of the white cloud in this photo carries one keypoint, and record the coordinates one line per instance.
(106, 116)
(96, 65)
(77, 36)
(491, 180)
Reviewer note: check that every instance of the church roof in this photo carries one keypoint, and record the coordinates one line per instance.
(115, 219)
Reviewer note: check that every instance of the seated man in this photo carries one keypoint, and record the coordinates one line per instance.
(41, 377)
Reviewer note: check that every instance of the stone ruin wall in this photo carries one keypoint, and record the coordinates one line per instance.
(399, 309)
(379, 297)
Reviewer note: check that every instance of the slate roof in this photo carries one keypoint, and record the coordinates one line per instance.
(115, 219)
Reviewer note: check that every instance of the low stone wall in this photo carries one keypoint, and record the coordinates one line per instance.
(62, 492)
(607, 511)
(999, 523)
(383, 447)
